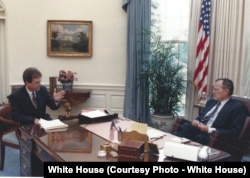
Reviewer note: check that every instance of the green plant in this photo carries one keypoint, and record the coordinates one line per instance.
(166, 76)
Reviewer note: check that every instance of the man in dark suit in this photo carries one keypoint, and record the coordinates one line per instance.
(228, 118)
(28, 103)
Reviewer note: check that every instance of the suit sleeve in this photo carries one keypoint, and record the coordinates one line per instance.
(233, 121)
(17, 113)
(50, 102)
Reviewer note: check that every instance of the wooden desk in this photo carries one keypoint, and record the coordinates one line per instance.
(72, 98)
(37, 146)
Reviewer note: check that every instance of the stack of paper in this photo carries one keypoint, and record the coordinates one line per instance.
(155, 134)
(52, 124)
(139, 127)
(181, 151)
(94, 114)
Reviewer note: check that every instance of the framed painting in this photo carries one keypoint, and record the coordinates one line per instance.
(69, 38)
(74, 140)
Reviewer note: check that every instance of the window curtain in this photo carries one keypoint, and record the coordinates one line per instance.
(227, 57)
(245, 89)
(136, 89)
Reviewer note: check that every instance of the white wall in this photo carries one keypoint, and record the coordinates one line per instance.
(26, 43)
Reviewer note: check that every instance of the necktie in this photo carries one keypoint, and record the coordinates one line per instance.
(210, 115)
(34, 100)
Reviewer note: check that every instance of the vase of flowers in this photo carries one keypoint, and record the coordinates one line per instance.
(67, 86)
(67, 78)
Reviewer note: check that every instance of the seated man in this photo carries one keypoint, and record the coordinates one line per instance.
(221, 113)
(28, 103)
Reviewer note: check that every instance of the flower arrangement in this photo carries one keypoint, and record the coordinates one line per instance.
(67, 76)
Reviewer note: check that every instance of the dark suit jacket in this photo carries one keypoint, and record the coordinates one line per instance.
(23, 110)
(230, 120)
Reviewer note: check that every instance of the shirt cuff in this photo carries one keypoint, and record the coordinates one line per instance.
(211, 129)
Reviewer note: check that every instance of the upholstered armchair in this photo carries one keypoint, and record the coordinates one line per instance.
(237, 147)
(8, 132)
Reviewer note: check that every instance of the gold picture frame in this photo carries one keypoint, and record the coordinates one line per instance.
(69, 38)
(73, 140)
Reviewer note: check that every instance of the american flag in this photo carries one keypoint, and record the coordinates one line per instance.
(112, 131)
(202, 49)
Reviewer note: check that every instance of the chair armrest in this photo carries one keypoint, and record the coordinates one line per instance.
(229, 145)
(8, 125)
(213, 138)
(9, 122)
(216, 138)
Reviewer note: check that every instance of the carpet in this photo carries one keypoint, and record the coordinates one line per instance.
(12, 163)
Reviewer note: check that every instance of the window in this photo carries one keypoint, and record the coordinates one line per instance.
(171, 19)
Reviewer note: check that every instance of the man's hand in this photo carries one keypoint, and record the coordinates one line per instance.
(195, 123)
(58, 95)
(202, 127)
(36, 121)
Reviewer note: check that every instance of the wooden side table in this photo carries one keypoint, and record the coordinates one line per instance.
(200, 107)
(72, 98)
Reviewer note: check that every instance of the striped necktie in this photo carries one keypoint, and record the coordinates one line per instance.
(210, 115)
(34, 99)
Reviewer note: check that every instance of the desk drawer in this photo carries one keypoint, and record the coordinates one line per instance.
(23, 173)
(25, 150)
(43, 155)
(25, 167)
(25, 158)
(26, 140)
(46, 155)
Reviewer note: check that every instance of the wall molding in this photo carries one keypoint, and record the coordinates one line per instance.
(109, 97)
(3, 58)
(2, 7)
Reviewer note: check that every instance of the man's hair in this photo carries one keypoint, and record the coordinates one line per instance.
(31, 73)
(227, 84)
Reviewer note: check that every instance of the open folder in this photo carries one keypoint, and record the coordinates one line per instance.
(54, 124)
(97, 116)
(139, 127)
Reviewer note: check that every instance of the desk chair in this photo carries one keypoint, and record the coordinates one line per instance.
(237, 147)
(8, 132)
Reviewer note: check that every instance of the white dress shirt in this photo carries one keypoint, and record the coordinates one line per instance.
(212, 119)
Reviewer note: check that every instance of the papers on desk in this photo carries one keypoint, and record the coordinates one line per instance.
(180, 140)
(154, 134)
(52, 125)
(181, 151)
(139, 127)
(94, 114)
(57, 130)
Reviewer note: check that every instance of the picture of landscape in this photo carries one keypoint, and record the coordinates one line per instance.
(69, 38)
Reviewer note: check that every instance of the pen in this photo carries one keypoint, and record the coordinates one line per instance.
(156, 138)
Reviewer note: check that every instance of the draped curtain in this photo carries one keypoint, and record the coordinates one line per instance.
(136, 89)
(227, 57)
(245, 89)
